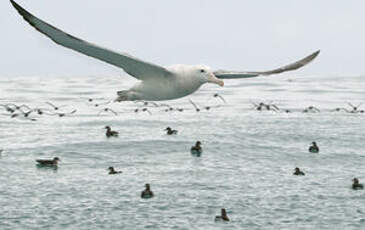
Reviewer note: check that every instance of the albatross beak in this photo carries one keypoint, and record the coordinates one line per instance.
(213, 79)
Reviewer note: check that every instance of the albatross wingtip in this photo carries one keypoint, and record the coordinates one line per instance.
(26, 15)
(315, 54)
(16, 5)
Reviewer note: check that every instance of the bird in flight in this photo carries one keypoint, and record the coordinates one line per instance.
(157, 83)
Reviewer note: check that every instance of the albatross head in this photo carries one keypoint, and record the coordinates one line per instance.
(205, 75)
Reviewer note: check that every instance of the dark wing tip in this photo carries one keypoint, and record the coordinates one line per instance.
(31, 19)
(309, 58)
(20, 9)
(315, 54)
(25, 14)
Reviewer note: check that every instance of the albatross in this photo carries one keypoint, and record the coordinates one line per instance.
(156, 83)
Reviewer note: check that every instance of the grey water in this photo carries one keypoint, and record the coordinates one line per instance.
(246, 166)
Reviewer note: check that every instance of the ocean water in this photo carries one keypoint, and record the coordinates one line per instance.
(246, 166)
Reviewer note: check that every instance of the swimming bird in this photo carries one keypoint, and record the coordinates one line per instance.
(314, 148)
(170, 131)
(356, 185)
(147, 193)
(156, 82)
(297, 172)
(223, 216)
(53, 162)
(112, 171)
(110, 133)
(196, 150)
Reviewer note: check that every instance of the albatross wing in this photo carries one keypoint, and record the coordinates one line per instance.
(131, 65)
(237, 74)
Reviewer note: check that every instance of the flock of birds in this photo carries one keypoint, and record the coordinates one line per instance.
(180, 80)
(27, 112)
(310, 109)
(195, 150)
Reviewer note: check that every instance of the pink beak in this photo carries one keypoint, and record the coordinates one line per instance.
(213, 79)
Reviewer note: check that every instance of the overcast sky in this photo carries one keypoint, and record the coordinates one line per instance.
(234, 35)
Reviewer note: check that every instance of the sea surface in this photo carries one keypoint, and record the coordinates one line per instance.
(246, 166)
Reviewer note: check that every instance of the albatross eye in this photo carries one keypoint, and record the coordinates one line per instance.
(202, 71)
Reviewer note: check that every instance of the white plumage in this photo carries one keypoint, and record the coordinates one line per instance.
(156, 82)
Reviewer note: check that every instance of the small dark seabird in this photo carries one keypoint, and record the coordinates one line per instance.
(297, 172)
(59, 114)
(354, 108)
(147, 193)
(313, 148)
(110, 133)
(170, 131)
(269, 107)
(196, 150)
(143, 110)
(356, 185)
(223, 216)
(112, 171)
(50, 163)
(108, 110)
(217, 95)
(311, 109)
(195, 106)
(54, 107)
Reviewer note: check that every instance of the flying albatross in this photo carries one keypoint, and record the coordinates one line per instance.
(156, 82)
